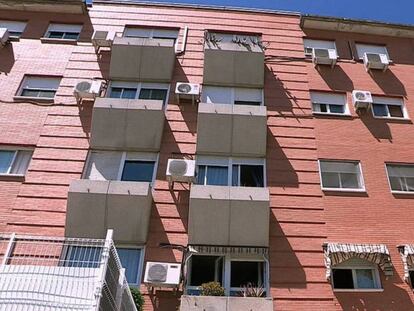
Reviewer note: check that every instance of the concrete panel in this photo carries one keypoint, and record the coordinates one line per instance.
(249, 304)
(127, 118)
(95, 206)
(212, 303)
(142, 59)
(240, 216)
(232, 64)
(103, 165)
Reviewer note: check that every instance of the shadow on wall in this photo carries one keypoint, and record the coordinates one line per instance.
(85, 116)
(104, 58)
(379, 128)
(7, 58)
(388, 82)
(336, 78)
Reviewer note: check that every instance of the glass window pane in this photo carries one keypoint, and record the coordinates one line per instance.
(138, 171)
(395, 111)
(342, 278)
(30, 93)
(130, 260)
(330, 180)
(71, 35)
(365, 278)
(396, 183)
(380, 110)
(323, 107)
(201, 174)
(337, 108)
(83, 257)
(409, 183)
(6, 159)
(245, 272)
(56, 34)
(217, 175)
(116, 92)
(235, 175)
(205, 269)
(46, 94)
(251, 176)
(245, 102)
(412, 278)
(129, 93)
(349, 180)
(155, 94)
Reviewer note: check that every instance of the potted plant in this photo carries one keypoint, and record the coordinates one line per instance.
(212, 289)
(138, 298)
(250, 290)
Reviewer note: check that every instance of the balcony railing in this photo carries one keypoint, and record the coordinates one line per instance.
(56, 273)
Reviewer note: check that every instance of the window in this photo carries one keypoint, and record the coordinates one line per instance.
(388, 107)
(411, 272)
(63, 31)
(310, 44)
(230, 171)
(152, 33)
(132, 261)
(14, 162)
(82, 256)
(138, 170)
(355, 274)
(337, 175)
(39, 87)
(231, 272)
(401, 177)
(329, 103)
(236, 96)
(369, 48)
(132, 90)
(15, 28)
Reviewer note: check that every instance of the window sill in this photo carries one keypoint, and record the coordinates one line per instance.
(323, 114)
(12, 177)
(344, 190)
(373, 290)
(58, 41)
(14, 39)
(33, 99)
(393, 119)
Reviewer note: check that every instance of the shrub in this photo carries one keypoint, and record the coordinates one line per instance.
(137, 297)
(212, 289)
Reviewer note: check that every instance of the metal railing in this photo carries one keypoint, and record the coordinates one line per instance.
(52, 273)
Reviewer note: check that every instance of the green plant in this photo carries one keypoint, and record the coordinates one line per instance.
(212, 289)
(251, 290)
(138, 298)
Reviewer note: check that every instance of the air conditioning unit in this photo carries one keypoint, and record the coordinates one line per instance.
(185, 90)
(180, 170)
(102, 38)
(361, 99)
(376, 61)
(324, 56)
(162, 274)
(4, 36)
(88, 89)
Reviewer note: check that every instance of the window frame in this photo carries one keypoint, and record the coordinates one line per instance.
(309, 54)
(361, 176)
(229, 162)
(388, 177)
(389, 117)
(139, 86)
(233, 91)
(20, 90)
(141, 261)
(16, 151)
(139, 156)
(64, 31)
(346, 112)
(10, 28)
(353, 268)
(226, 273)
(361, 58)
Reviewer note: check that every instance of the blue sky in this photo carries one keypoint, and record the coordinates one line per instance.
(395, 11)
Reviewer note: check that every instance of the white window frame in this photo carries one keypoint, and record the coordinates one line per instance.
(369, 46)
(226, 276)
(14, 26)
(361, 176)
(388, 177)
(141, 261)
(233, 91)
(353, 268)
(317, 44)
(16, 151)
(28, 77)
(345, 104)
(77, 28)
(139, 86)
(390, 101)
(228, 162)
(139, 156)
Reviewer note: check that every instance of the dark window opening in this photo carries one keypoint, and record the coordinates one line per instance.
(206, 269)
(246, 272)
(155, 94)
(247, 102)
(138, 171)
(250, 176)
(342, 278)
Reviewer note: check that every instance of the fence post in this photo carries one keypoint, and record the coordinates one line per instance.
(9, 249)
(103, 267)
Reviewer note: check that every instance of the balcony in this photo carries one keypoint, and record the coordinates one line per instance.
(231, 130)
(201, 303)
(53, 273)
(142, 59)
(94, 206)
(116, 124)
(232, 64)
(51, 6)
(240, 216)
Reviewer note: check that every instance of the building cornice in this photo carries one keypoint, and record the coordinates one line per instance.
(51, 6)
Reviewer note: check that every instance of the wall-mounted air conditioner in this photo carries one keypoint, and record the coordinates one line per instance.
(376, 61)
(184, 90)
(324, 56)
(180, 170)
(162, 274)
(88, 89)
(361, 99)
(4, 36)
(102, 38)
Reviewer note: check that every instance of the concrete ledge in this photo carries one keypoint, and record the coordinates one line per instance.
(211, 303)
(51, 6)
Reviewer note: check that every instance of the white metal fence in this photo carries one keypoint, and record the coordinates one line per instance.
(49, 273)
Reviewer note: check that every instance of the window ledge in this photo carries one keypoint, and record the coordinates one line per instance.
(344, 190)
(323, 114)
(12, 177)
(14, 38)
(58, 41)
(403, 192)
(393, 119)
(366, 290)
(19, 98)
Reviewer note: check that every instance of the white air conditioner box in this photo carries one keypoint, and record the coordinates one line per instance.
(88, 89)
(180, 170)
(376, 61)
(185, 90)
(361, 99)
(102, 38)
(324, 56)
(4, 36)
(162, 274)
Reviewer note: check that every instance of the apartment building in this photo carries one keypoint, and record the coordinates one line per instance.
(188, 144)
